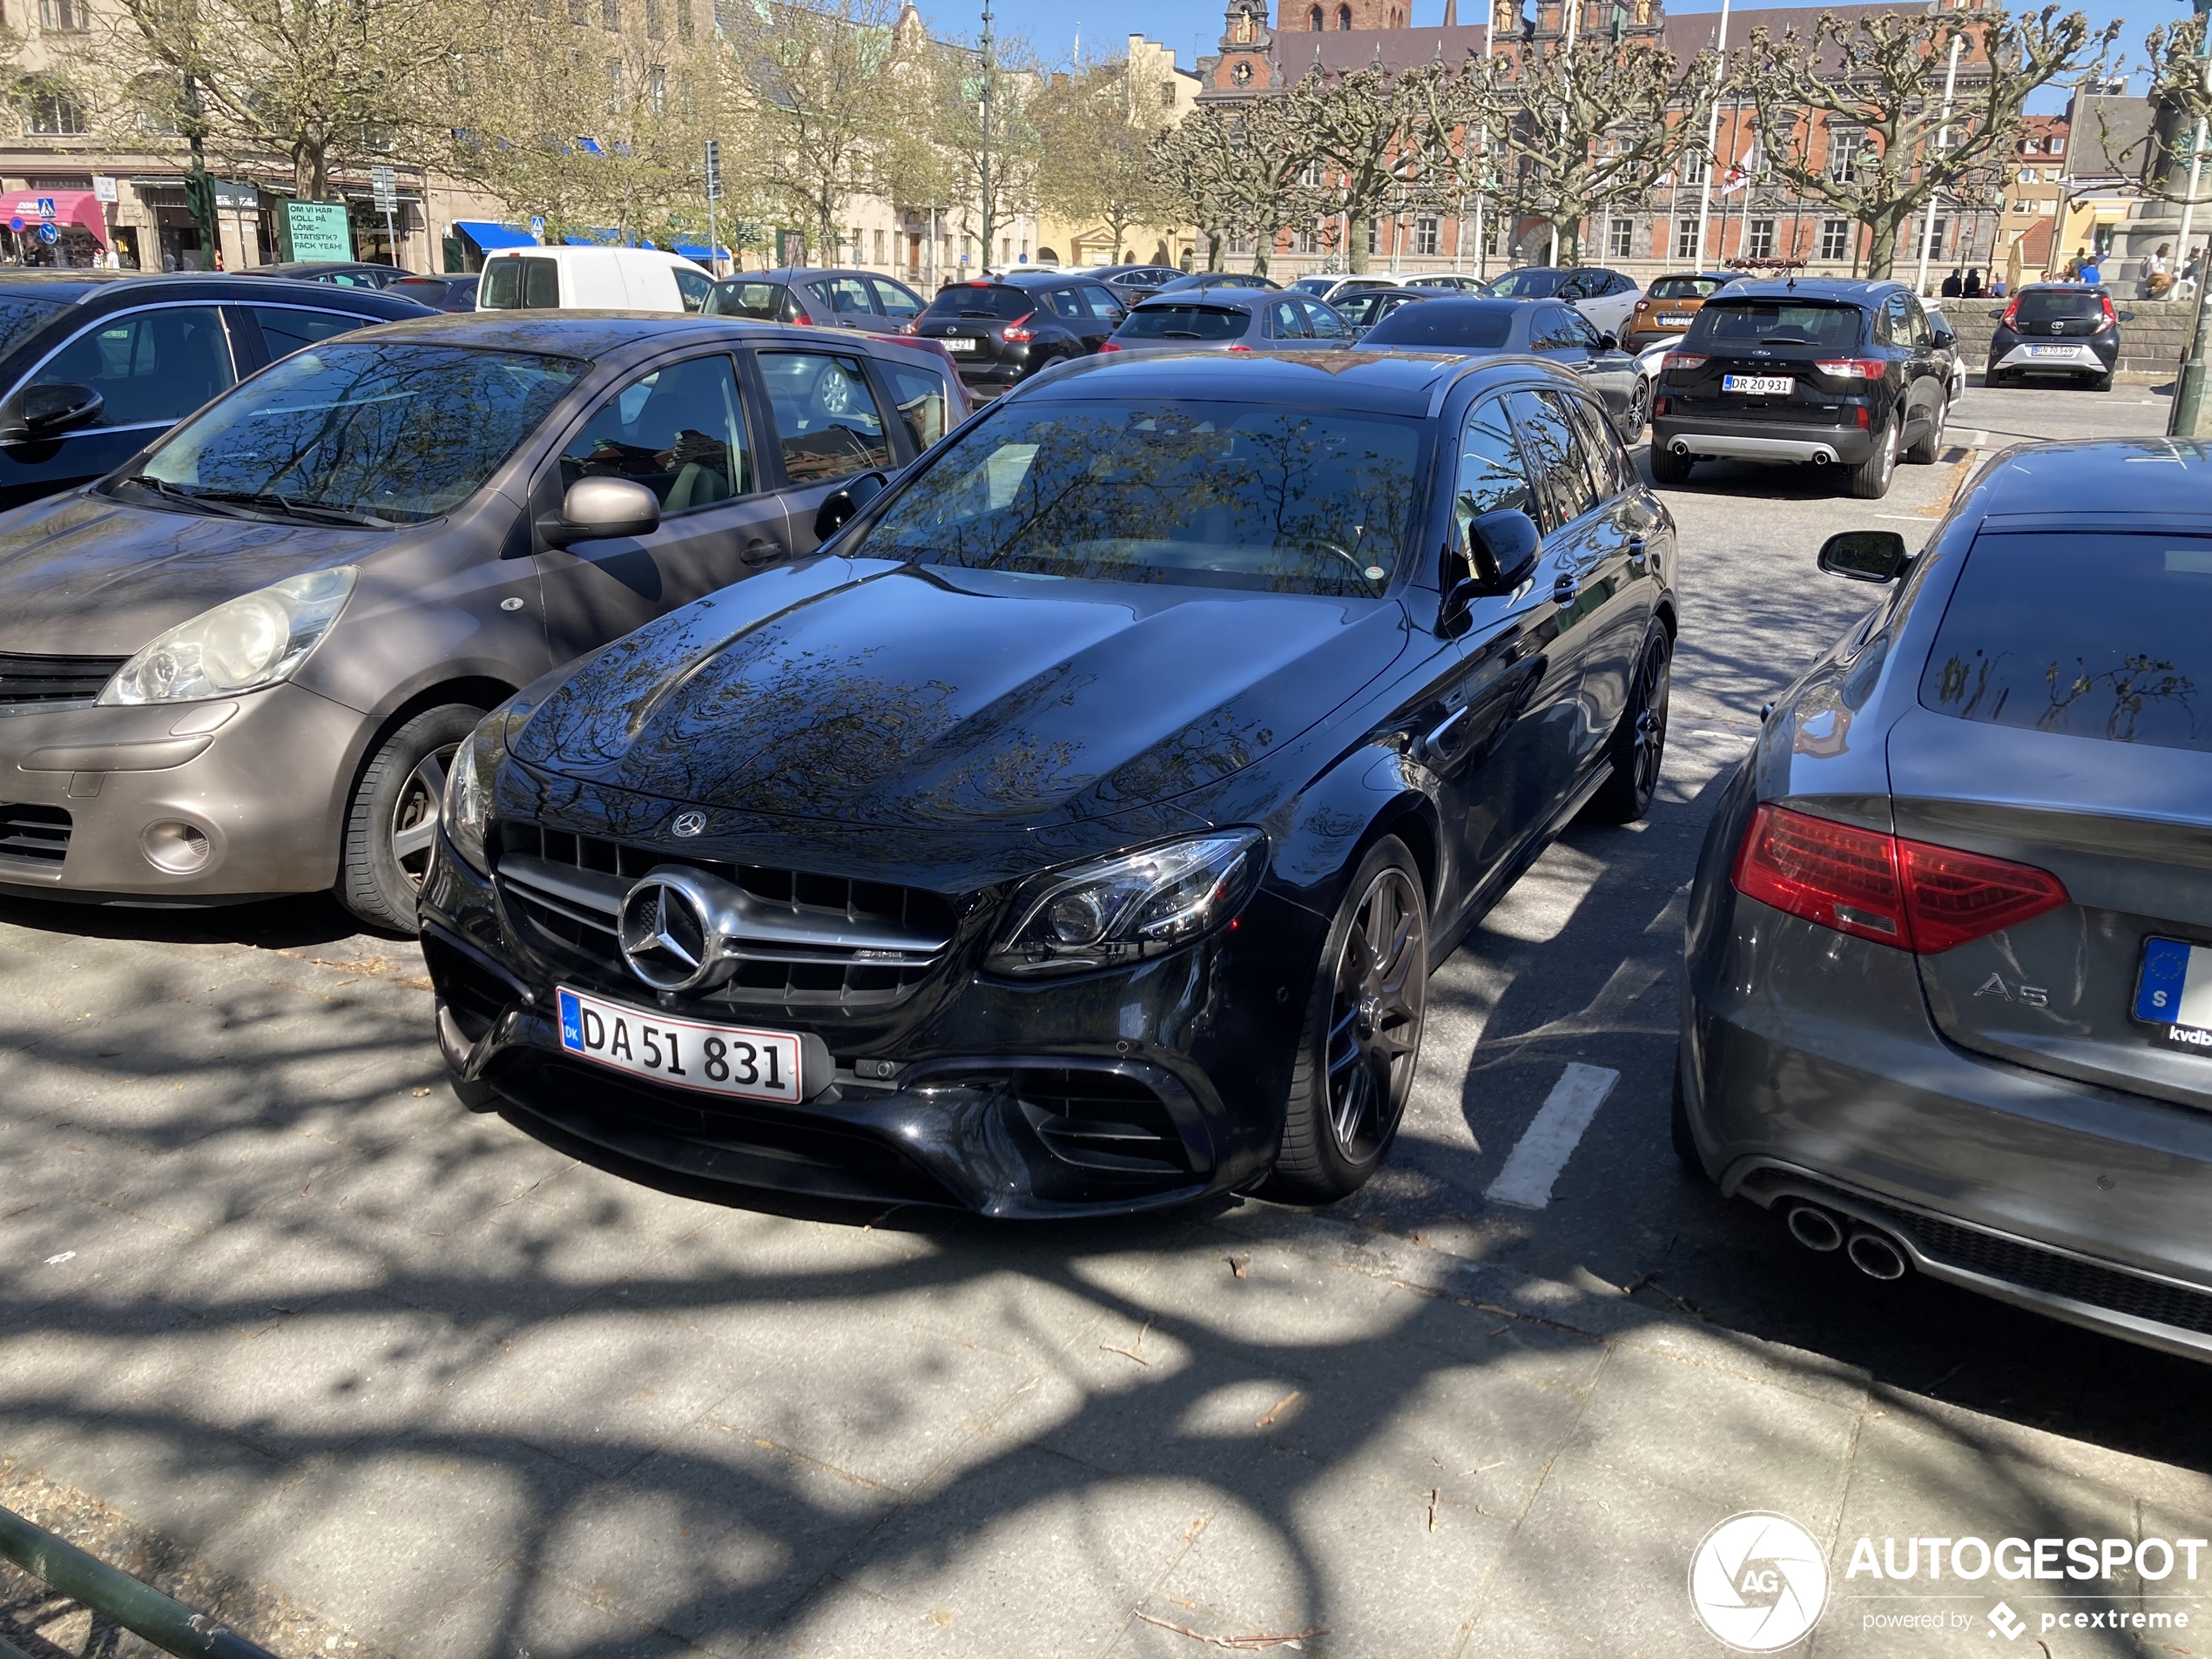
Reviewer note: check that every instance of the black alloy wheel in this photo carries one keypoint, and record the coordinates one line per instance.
(1930, 446)
(1362, 1039)
(1639, 412)
(1638, 747)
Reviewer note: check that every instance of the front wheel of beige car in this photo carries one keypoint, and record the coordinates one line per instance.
(392, 823)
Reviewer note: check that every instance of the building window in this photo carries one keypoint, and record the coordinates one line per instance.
(611, 14)
(1686, 239)
(879, 257)
(51, 110)
(1308, 240)
(1620, 237)
(1428, 237)
(2056, 145)
(654, 27)
(1374, 236)
(580, 13)
(1835, 239)
(1942, 229)
(617, 83)
(1313, 19)
(683, 19)
(1843, 152)
(656, 88)
(1759, 245)
(1167, 95)
(1344, 16)
(1693, 167)
(63, 16)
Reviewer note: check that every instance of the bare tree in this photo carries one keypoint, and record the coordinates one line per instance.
(1366, 129)
(2181, 90)
(996, 195)
(1877, 83)
(1573, 131)
(1247, 171)
(1094, 137)
(1192, 166)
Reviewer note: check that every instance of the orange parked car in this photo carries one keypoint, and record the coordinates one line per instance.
(1668, 305)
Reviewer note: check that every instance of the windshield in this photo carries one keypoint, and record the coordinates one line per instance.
(1315, 285)
(1183, 322)
(19, 317)
(1527, 285)
(402, 432)
(748, 299)
(1775, 322)
(1685, 288)
(982, 300)
(1218, 495)
(1451, 326)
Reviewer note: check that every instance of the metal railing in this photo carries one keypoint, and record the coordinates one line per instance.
(114, 1594)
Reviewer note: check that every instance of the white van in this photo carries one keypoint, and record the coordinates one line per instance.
(591, 279)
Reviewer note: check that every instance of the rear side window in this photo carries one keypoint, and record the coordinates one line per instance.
(152, 366)
(1492, 473)
(1183, 323)
(899, 304)
(287, 329)
(521, 283)
(1730, 323)
(845, 296)
(1325, 324)
(982, 300)
(2052, 304)
(826, 415)
(1286, 320)
(1555, 452)
(1066, 302)
(921, 399)
(2103, 636)
(762, 301)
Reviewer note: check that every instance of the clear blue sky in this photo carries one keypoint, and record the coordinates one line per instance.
(1053, 26)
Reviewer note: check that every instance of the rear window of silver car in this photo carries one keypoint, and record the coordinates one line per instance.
(400, 431)
(2107, 637)
(1165, 490)
(1183, 322)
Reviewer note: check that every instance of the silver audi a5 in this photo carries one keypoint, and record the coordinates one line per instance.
(1948, 998)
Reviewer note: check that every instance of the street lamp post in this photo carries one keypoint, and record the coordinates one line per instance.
(1943, 143)
(985, 171)
(1712, 136)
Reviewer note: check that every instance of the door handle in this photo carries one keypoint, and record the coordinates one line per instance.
(760, 549)
(1441, 744)
(1639, 553)
(1565, 586)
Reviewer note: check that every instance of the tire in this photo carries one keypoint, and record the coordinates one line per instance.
(2102, 382)
(1667, 468)
(1632, 424)
(1638, 747)
(1870, 480)
(392, 821)
(1925, 452)
(1996, 377)
(1362, 1033)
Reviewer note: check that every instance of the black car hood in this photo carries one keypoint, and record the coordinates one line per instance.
(82, 575)
(901, 697)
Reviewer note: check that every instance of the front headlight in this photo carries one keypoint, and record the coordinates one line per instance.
(249, 642)
(466, 812)
(1131, 906)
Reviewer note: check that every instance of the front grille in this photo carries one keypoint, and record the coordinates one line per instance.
(34, 679)
(2030, 1266)
(40, 833)
(570, 887)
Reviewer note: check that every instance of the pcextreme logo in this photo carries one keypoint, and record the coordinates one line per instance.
(1758, 1581)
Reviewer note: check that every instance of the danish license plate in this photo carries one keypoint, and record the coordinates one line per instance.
(2174, 992)
(1675, 322)
(1759, 385)
(719, 1059)
(2051, 351)
(957, 345)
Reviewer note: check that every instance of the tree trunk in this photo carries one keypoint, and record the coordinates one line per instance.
(1881, 252)
(310, 169)
(1569, 231)
(1355, 251)
(1217, 247)
(1263, 245)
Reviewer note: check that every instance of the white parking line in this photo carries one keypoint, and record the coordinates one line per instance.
(1551, 1138)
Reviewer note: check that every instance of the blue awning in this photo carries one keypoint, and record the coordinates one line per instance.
(699, 251)
(488, 236)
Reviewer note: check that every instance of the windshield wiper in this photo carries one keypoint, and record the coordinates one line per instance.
(285, 505)
(177, 492)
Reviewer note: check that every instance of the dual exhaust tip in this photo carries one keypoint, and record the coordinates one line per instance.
(1875, 1254)
(1822, 456)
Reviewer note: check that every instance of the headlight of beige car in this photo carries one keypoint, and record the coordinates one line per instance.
(254, 640)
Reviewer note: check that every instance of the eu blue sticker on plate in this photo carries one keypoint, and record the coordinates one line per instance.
(2176, 984)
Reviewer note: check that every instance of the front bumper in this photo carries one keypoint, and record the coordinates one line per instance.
(1810, 1071)
(263, 790)
(1740, 440)
(1104, 1093)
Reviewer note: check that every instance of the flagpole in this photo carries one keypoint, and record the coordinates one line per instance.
(1943, 143)
(1712, 138)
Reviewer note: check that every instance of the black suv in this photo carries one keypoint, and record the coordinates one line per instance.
(1833, 372)
(1004, 329)
(2057, 329)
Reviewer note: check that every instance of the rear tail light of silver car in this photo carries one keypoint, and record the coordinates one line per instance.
(1910, 895)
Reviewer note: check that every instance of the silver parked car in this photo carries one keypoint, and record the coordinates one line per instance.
(1230, 320)
(1948, 1000)
(238, 665)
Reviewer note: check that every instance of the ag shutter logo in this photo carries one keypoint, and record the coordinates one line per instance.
(1758, 1581)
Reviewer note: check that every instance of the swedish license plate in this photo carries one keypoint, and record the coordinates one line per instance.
(2176, 991)
(2051, 351)
(718, 1059)
(958, 345)
(1759, 385)
(1675, 322)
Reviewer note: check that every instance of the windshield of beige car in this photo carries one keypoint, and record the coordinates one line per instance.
(373, 432)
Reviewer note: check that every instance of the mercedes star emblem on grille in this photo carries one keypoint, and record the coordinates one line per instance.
(690, 823)
(665, 935)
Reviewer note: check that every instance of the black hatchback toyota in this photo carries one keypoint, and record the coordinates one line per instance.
(2060, 328)
(1078, 831)
(1005, 329)
(1846, 375)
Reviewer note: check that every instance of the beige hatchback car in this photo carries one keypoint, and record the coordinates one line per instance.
(237, 665)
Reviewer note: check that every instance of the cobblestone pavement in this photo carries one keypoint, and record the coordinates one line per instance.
(282, 1326)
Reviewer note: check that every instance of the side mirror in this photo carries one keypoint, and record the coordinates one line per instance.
(2127, 316)
(598, 509)
(838, 509)
(1943, 336)
(1865, 555)
(1498, 548)
(1608, 342)
(1996, 315)
(48, 411)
